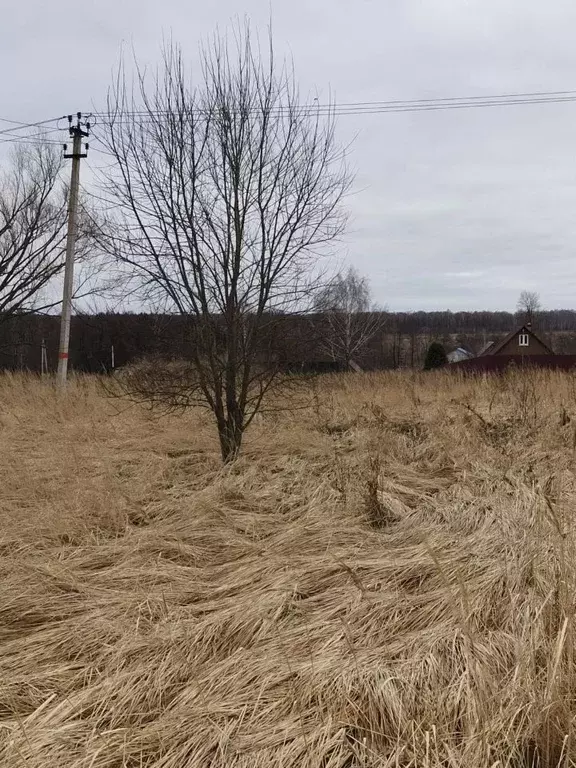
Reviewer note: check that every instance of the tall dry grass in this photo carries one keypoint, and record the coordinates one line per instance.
(384, 578)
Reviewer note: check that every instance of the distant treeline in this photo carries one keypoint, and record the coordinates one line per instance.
(480, 322)
(101, 342)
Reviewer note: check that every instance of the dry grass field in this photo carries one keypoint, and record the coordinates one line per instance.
(384, 578)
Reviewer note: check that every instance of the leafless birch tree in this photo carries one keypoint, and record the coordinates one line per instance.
(225, 195)
(348, 321)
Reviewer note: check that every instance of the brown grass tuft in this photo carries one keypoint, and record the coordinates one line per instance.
(384, 580)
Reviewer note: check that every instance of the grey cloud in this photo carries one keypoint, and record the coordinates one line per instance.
(457, 209)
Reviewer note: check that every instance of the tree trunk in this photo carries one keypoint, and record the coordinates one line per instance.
(230, 433)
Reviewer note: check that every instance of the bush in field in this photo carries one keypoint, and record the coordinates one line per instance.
(435, 357)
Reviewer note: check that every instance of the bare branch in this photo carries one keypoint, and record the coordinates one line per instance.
(529, 305)
(33, 215)
(32, 228)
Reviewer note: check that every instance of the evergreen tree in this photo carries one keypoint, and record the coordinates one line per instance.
(435, 357)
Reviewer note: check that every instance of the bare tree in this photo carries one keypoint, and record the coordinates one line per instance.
(348, 320)
(33, 224)
(529, 305)
(32, 229)
(224, 197)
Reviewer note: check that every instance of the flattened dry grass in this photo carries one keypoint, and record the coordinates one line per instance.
(385, 578)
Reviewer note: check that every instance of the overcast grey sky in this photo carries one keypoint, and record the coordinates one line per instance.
(457, 209)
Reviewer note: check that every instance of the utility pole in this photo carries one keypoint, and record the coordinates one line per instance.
(43, 359)
(77, 133)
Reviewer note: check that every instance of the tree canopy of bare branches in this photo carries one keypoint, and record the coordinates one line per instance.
(348, 320)
(32, 229)
(529, 305)
(225, 195)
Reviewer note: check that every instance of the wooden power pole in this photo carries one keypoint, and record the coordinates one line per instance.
(77, 133)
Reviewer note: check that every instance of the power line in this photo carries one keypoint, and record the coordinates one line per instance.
(20, 126)
(342, 109)
(24, 140)
(437, 107)
(10, 135)
(530, 97)
(395, 105)
(463, 98)
(30, 138)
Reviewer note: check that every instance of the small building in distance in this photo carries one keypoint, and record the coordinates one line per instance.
(521, 347)
(459, 354)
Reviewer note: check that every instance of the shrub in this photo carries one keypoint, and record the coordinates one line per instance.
(435, 357)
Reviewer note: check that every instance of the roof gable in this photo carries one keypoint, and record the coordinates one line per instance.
(493, 350)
